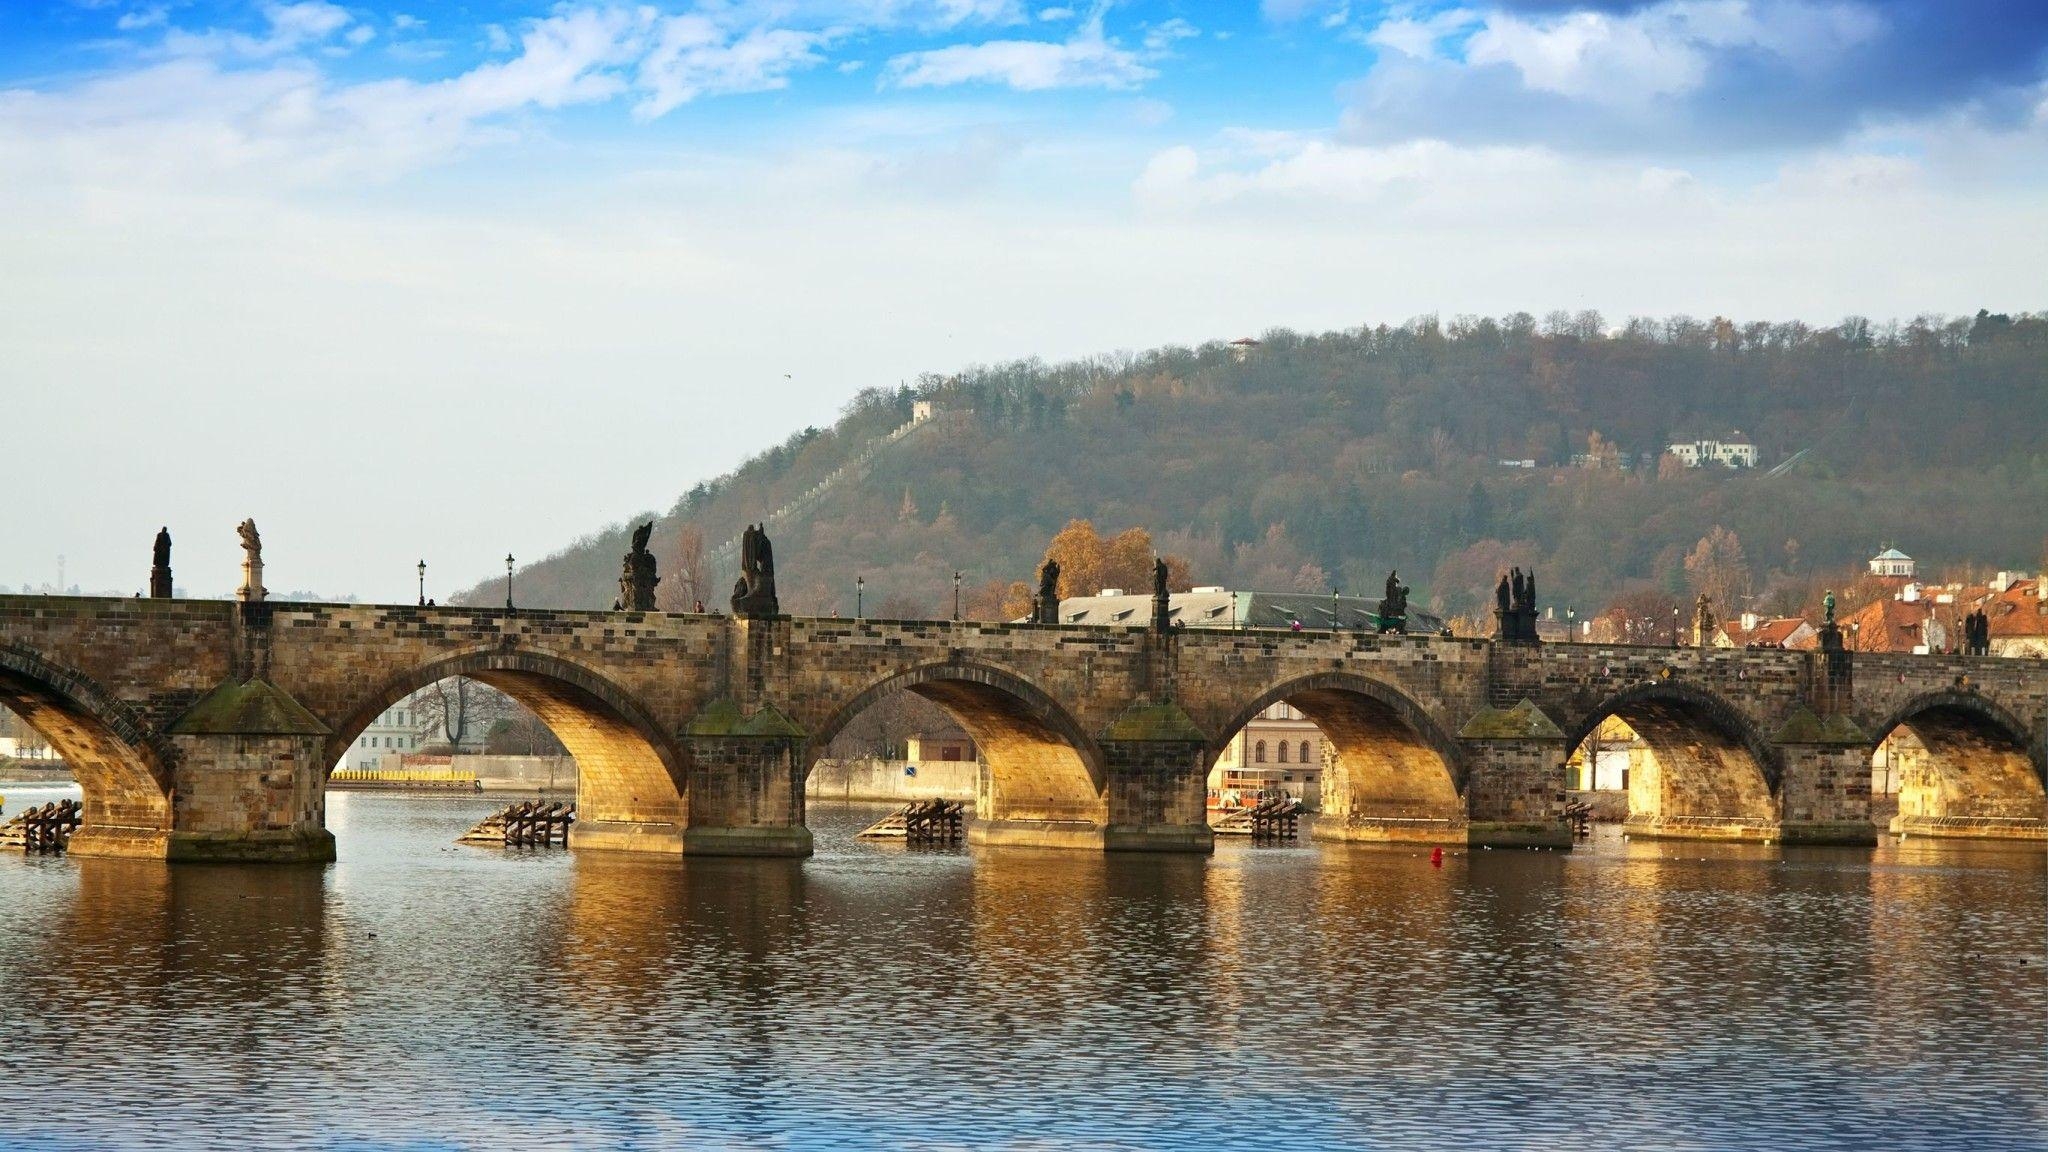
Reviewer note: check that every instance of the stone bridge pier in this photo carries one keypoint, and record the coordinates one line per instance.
(206, 730)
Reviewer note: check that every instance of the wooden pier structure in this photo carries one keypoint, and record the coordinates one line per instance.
(45, 830)
(922, 822)
(528, 824)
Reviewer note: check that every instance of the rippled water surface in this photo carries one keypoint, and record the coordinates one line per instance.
(421, 994)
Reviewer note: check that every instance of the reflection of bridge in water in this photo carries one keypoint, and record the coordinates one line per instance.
(205, 729)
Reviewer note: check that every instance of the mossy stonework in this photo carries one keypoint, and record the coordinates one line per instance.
(206, 729)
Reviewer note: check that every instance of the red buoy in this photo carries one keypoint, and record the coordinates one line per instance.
(1436, 857)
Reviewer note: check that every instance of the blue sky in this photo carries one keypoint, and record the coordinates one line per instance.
(327, 264)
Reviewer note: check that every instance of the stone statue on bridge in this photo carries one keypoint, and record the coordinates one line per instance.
(1162, 600)
(1515, 607)
(1046, 609)
(160, 566)
(1977, 634)
(251, 591)
(637, 576)
(1394, 605)
(1702, 621)
(753, 595)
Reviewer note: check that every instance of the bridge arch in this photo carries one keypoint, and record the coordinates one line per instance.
(1039, 764)
(1705, 768)
(628, 768)
(1392, 771)
(1965, 765)
(122, 764)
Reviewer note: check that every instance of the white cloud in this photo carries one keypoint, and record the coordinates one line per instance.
(1339, 18)
(1160, 38)
(400, 22)
(190, 123)
(1086, 60)
(694, 57)
(143, 18)
(1055, 14)
(1661, 50)
(1419, 38)
(291, 27)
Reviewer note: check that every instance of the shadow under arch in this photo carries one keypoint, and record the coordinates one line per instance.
(627, 769)
(1707, 771)
(1038, 764)
(1391, 772)
(1967, 767)
(124, 766)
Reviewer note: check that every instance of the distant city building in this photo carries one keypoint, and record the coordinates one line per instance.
(921, 411)
(1279, 749)
(1242, 347)
(940, 744)
(1892, 563)
(1734, 452)
(404, 728)
(2018, 616)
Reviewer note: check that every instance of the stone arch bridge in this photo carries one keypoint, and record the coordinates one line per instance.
(206, 729)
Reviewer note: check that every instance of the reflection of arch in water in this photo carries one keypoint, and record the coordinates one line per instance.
(1038, 766)
(628, 771)
(1391, 772)
(1967, 767)
(124, 768)
(1709, 772)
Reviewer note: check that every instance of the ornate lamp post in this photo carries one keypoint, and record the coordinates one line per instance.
(508, 582)
(1674, 625)
(956, 594)
(860, 587)
(1336, 621)
(1571, 625)
(423, 583)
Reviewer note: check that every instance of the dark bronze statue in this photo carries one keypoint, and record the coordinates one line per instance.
(1162, 601)
(160, 566)
(753, 595)
(637, 575)
(1515, 607)
(1394, 605)
(1047, 606)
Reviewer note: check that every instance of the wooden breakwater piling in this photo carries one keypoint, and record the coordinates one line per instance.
(924, 822)
(529, 824)
(43, 830)
(1277, 818)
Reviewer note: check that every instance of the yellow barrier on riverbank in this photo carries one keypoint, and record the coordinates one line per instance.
(425, 778)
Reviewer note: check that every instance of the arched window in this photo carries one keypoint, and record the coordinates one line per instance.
(1283, 751)
(1304, 751)
(1259, 752)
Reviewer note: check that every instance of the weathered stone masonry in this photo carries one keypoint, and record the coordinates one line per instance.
(204, 729)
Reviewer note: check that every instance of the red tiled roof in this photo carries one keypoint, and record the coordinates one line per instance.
(2018, 611)
(1888, 625)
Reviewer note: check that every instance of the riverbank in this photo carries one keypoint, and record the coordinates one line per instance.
(893, 781)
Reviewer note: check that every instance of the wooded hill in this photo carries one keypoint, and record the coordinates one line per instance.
(1315, 461)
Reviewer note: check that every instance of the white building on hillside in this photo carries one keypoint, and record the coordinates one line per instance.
(1892, 562)
(1734, 452)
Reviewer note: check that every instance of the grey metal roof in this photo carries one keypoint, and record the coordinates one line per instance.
(1239, 610)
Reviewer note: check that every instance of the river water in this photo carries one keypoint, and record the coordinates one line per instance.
(420, 994)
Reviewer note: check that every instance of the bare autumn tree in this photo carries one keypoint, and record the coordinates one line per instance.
(460, 710)
(685, 578)
(998, 600)
(1717, 568)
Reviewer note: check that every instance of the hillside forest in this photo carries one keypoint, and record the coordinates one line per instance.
(1449, 451)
